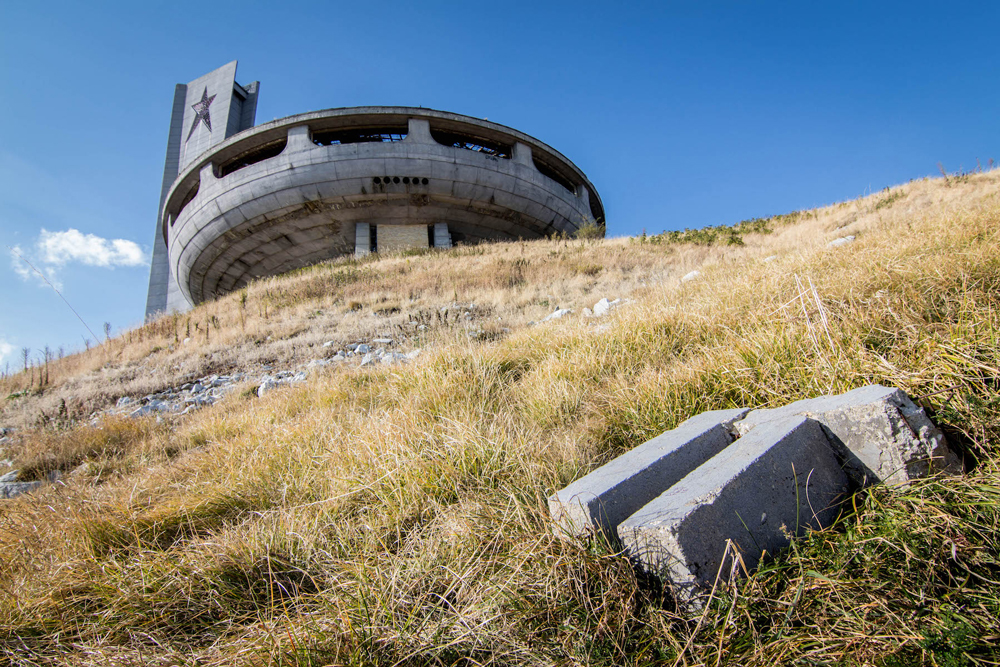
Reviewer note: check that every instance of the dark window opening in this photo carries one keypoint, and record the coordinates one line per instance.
(373, 238)
(192, 193)
(471, 143)
(358, 136)
(259, 154)
(546, 170)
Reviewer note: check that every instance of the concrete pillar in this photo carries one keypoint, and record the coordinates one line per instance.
(522, 154)
(419, 132)
(442, 238)
(299, 139)
(583, 194)
(206, 177)
(362, 239)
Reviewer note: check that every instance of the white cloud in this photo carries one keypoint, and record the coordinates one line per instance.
(19, 262)
(54, 250)
(58, 248)
(5, 348)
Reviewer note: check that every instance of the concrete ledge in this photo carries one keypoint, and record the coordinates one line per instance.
(605, 497)
(881, 435)
(776, 481)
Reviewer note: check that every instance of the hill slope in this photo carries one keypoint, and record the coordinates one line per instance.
(395, 514)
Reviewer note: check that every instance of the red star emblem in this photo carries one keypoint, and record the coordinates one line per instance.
(201, 112)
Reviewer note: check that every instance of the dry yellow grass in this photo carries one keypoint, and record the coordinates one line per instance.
(396, 515)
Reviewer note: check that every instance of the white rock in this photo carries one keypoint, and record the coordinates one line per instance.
(329, 343)
(770, 258)
(123, 401)
(364, 348)
(843, 240)
(10, 476)
(367, 359)
(395, 358)
(558, 314)
(266, 386)
(150, 408)
(691, 276)
(587, 312)
(340, 356)
(414, 354)
(382, 341)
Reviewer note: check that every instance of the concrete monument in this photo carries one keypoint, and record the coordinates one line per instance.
(241, 201)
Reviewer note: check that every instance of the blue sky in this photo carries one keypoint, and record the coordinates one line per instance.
(682, 114)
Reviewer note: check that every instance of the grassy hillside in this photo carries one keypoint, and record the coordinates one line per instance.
(396, 515)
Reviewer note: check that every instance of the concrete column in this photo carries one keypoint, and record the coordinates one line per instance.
(206, 177)
(419, 132)
(522, 154)
(298, 139)
(442, 238)
(362, 239)
(583, 194)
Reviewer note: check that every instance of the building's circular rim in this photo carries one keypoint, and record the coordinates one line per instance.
(347, 117)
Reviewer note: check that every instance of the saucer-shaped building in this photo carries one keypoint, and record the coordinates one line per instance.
(243, 201)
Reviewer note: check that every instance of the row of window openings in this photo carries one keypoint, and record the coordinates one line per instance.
(340, 137)
(406, 180)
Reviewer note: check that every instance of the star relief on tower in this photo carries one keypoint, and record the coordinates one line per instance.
(201, 112)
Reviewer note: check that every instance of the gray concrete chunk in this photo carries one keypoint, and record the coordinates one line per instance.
(611, 493)
(879, 433)
(14, 489)
(773, 482)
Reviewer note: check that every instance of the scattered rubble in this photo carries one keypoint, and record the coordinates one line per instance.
(843, 240)
(690, 276)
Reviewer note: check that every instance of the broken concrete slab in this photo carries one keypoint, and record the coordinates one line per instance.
(879, 433)
(608, 495)
(10, 490)
(773, 482)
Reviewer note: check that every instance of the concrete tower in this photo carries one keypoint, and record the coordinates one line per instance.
(206, 111)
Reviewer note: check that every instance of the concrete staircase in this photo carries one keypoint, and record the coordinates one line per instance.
(734, 485)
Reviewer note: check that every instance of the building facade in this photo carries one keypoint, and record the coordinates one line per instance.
(243, 201)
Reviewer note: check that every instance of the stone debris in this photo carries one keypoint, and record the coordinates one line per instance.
(843, 240)
(14, 489)
(690, 276)
(209, 389)
(880, 434)
(745, 481)
(557, 314)
(11, 488)
(770, 258)
(778, 480)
